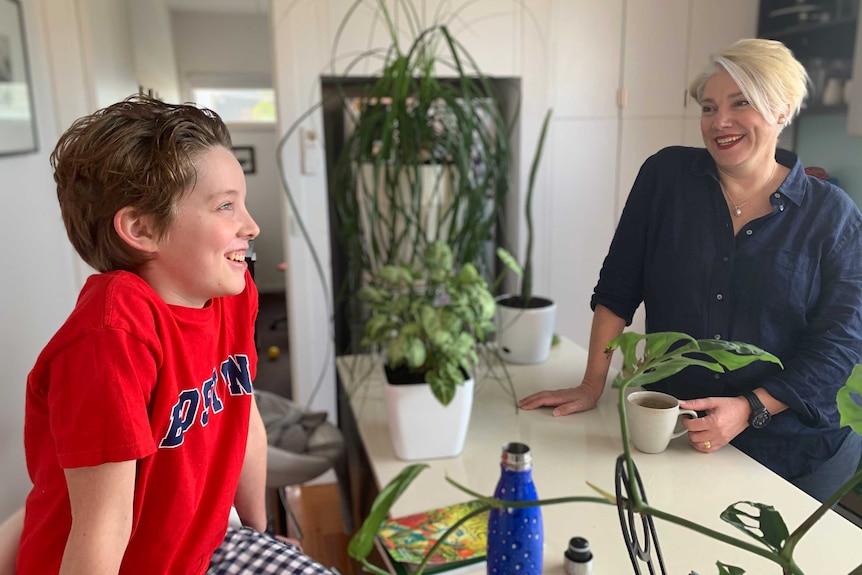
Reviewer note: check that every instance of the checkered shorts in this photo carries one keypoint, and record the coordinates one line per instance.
(245, 551)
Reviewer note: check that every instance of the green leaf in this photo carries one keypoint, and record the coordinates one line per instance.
(414, 352)
(395, 351)
(377, 327)
(363, 541)
(443, 390)
(760, 521)
(850, 401)
(668, 353)
(391, 274)
(658, 343)
(509, 261)
(469, 274)
(724, 569)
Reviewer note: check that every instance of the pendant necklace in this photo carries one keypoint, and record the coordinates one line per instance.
(737, 208)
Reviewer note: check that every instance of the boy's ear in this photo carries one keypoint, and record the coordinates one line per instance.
(136, 229)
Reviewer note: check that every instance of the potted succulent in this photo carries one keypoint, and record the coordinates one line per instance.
(646, 359)
(525, 322)
(428, 320)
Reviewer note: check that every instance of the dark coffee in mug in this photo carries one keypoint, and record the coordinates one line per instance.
(654, 403)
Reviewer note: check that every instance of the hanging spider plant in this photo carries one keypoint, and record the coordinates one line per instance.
(426, 157)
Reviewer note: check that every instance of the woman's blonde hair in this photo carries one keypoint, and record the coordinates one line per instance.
(769, 76)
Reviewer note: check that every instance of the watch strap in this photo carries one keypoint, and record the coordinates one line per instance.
(757, 408)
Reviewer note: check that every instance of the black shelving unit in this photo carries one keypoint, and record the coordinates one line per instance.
(824, 31)
(822, 35)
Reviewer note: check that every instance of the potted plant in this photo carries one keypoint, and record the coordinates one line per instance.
(425, 159)
(662, 355)
(427, 320)
(525, 322)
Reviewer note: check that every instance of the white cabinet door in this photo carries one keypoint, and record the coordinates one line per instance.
(691, 135)
(713, 26)
(586, 62)
(582, 219)
(654, 65)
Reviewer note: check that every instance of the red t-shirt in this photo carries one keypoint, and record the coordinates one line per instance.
(129, 377)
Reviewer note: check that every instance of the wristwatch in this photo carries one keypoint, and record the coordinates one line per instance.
(760, 416)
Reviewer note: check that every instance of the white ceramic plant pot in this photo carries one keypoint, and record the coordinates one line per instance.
(421, 427)
(524, 335)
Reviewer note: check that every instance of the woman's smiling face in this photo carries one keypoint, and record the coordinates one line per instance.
(735, 134)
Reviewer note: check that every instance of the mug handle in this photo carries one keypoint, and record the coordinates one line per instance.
(689, 413)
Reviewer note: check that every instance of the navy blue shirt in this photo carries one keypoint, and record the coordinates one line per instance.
(789, 282)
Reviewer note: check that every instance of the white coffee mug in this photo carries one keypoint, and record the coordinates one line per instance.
(653, 418)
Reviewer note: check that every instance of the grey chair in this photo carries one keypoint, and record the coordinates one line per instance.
(302, 446)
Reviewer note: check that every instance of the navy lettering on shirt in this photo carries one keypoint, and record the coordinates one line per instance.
(189, 407)
(235, 372)
(182, 417)
(211, 398)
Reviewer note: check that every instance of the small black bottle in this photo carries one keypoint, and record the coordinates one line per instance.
(578, 557)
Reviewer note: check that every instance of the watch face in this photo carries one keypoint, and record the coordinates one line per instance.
(760, 419)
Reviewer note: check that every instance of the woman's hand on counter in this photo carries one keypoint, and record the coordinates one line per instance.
(564, 401)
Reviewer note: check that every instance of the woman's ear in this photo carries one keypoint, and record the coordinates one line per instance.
(136, 229)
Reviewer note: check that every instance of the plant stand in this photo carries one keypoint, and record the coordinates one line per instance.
(637, 551)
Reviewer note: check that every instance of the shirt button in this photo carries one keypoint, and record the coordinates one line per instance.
(716, 375)
(777, 195)
(725, 258)
(748, 232)
(717, 336)
(719, 297)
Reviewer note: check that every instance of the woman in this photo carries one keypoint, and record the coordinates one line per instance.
(736, 242)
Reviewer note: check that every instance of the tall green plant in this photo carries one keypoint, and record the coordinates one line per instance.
(426, 156)
(526, 272)
(409, 120)
(647, 359)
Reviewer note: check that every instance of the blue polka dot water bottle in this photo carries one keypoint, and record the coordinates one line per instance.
(515, 535)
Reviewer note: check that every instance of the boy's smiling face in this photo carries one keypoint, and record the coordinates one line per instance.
(202, 254)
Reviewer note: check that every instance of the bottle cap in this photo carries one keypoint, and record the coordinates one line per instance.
(517, 456)
(579, 550)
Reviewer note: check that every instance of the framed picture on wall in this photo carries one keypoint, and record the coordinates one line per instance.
(245, 156)
(17, 121)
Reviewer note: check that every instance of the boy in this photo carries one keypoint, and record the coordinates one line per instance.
(141, 429)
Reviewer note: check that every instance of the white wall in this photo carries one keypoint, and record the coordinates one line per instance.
(106, 37)
(225, 47)
(264, 203)
(154, 61)
(39, 286)
(234, 50)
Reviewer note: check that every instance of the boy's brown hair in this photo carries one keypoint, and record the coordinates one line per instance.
(138, 153)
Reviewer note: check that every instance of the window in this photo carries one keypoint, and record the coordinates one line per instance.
(240, 105)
